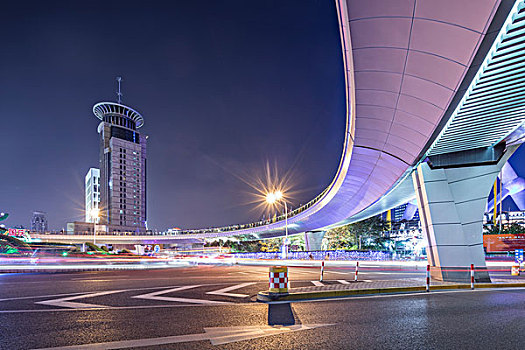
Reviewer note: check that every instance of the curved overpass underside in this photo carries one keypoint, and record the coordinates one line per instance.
(424, 79)
(408, 65)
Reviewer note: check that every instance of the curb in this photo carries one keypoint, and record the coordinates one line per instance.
(266, 297)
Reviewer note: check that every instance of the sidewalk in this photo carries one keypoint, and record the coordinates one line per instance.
(408, 285)
(367, 284)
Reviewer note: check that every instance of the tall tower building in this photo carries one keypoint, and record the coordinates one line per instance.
(122, 167)
(39, 222)
(92, 190)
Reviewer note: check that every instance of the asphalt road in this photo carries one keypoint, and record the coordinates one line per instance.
(211, 307)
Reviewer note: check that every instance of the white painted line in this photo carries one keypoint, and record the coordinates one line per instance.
(122, 290)
(65, 302)
(156, 296)
(217, 336)
(398, 295)
(42, 296)
(341, 273)
(123, 308)
(317, 283)
(343, 282)
(391, 273)
(299, 272)
(224, 291)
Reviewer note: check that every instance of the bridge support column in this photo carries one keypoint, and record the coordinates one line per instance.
(451, 205)
(313, 240)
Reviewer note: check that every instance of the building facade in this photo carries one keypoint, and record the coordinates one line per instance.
(92, 191)
(122, 168)
(39, 222)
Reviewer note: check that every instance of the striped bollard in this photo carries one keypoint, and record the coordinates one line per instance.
(356, 270)
(471, 276)
(428, 278)
(322, 271)
(278, 279)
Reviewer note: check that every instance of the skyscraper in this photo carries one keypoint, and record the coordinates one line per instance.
(122, 167)
(39, 222)
(92, 190)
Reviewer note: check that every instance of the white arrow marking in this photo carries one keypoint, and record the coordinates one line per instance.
(227, 289)
(343, 282)
(65, 302)
(317, 283)
(157, 296)
(217, 336)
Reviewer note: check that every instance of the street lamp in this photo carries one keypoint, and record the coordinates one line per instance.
(271, 198)
(94, 213)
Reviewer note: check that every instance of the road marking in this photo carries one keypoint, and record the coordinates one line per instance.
(343, 282)
(123, 290)
(41, 296)
(394, 295)
(122, 308)
(317, 283)
(341, 273)
(390, 273)
(300, 272)
(157, 296)
(66, 302)
(224, 291)
(217, 336)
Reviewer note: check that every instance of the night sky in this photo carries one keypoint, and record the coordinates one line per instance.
(225, 87)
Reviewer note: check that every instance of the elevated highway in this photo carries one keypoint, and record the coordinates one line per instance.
(431, 86)
(422, 79)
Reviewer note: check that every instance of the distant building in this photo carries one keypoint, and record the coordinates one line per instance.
(92, 191)
(84, 228)
(122, 167)
(506, 217)
(39, 222)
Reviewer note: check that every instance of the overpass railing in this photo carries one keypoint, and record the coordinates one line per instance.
(229, 228)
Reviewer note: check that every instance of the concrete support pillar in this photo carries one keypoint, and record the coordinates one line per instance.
(451, 205)
(313, 240)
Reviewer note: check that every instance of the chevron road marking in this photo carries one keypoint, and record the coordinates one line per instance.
(66, 302)
(157, 296)
(217, 336)
(317, 283)
(224, 291)
(343, 282)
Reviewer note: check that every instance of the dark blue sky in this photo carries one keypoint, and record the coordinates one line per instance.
(224, 87)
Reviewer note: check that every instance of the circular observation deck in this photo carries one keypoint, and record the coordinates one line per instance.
(108, 111)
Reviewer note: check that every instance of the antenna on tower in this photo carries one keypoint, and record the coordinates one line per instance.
(119, 94)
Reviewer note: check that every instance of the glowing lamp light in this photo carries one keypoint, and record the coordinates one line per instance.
(94, 213)
(270, 198)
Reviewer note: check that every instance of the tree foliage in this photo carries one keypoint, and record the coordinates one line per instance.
(371, 233)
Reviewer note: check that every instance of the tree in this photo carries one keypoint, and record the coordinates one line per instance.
(369, 234)
(271, 245)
